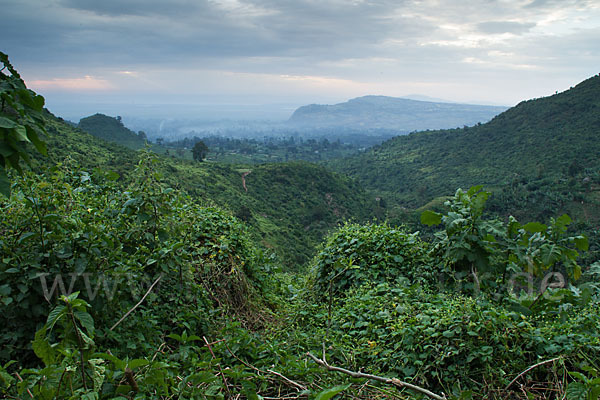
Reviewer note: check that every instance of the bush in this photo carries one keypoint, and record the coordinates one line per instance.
(358, 254)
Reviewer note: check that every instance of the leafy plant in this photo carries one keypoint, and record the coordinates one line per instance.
(359, 254)
(21, 122)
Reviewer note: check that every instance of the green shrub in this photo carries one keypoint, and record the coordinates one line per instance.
(358, 254)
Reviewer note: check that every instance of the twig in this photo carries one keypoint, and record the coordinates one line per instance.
(529, 369)
(158, 351)
(291, 382)
(139, 302)
(391, 381)
(219, 365)
(80, 341)
(21, 380)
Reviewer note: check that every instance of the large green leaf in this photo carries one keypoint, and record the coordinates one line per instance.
(42, 348)
(55, 315)
(550, 253)
(329, 393)
(577, 391)
(7, 123)
(430, 218)
(582, 243)
(86, 321)
(534, 227)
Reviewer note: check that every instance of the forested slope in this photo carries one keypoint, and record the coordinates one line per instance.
(549, 144)
(282, 202)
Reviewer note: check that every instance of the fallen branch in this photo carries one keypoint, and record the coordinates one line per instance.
(390, 381)
(529, 369)
(139, 302)
(218, 365)
(286, 379)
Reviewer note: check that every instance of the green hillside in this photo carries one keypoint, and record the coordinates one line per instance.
(541, 154)
(112, 130)
(283, 202)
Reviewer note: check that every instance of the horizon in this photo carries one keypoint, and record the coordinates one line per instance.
(265, 57)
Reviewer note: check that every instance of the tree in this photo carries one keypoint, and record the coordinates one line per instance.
(21, 121)
(199, 151)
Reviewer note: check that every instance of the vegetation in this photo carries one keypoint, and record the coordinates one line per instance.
(112, 130)
(270, 148)
(199, 151)
(538, 158)
(21, 122)
(280, 203)
(121, 285)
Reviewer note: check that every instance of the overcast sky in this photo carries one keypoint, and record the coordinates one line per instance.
(137, 52)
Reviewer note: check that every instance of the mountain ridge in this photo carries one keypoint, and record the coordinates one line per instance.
(384, 112)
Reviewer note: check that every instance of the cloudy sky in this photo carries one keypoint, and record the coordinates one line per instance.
(130, 53)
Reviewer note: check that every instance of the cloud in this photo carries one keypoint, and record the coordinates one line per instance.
(498, 27)
(360, 42)
(87, 83)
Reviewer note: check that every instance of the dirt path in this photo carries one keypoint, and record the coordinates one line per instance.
(244, 180)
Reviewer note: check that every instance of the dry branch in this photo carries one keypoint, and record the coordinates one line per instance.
(529, 369)
(136, 306)
(390, 381)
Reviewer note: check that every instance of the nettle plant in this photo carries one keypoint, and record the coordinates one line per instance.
(534, 262)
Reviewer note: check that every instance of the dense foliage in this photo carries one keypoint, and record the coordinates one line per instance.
(538, 158)
(358, 254)
(553, 137)
(71, 231)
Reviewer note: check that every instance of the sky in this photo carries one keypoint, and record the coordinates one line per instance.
(169, 56)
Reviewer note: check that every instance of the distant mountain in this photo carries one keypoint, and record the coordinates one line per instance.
(541, 155)
(402, 114)
(112, 130)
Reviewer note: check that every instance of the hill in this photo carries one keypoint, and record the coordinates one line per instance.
(381, 112)
(281, 202)
(112, 130)
(540, 157)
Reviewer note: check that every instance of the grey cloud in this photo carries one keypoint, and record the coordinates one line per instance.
(137, 7)
(335, 38)
(558, 3)
(140, 30)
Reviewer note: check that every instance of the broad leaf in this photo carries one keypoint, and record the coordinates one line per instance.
(329, 393)
(534, 227)
(430, 218)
